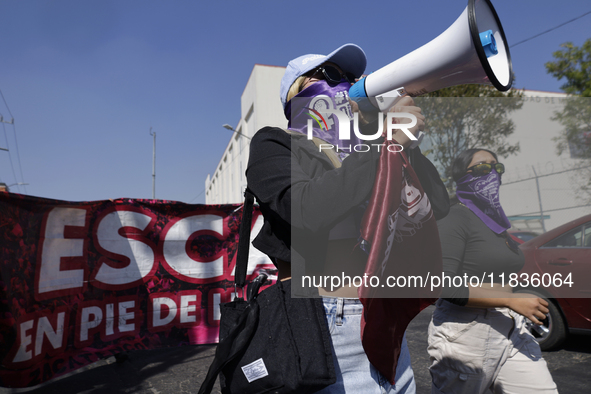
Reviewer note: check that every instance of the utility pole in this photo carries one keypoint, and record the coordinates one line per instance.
(539, 200)
(153, 165)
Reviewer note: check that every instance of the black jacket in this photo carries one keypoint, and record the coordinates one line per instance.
(301, 194)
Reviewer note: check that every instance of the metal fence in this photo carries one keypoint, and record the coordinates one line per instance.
(542, 200)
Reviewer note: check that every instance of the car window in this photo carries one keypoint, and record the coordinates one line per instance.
(572, 239)
(587, 238)
(526, 236)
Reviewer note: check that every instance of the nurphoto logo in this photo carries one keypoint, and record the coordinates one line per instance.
(344, 127)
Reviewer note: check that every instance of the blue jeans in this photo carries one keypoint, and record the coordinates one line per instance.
(354, 372)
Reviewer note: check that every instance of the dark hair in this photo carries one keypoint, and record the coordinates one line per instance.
(460, 164)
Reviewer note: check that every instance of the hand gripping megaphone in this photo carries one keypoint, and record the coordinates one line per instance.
(472, 50)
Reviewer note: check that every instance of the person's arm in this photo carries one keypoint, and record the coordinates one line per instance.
(532, 307)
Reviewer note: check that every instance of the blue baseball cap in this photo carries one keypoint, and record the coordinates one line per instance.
(349, 57)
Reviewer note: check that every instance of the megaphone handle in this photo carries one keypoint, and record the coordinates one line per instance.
(386, 100)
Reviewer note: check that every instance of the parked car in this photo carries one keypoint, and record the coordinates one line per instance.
(524, 236)
(558, 269)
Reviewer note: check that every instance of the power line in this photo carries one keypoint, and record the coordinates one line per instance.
(6, 104)
(543, 175)
(195, 198)
(551, 29)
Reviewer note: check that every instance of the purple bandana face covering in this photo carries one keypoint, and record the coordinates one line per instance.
(309, 104)
(481, 195)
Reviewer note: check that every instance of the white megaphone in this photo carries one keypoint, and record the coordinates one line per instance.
(472, 50)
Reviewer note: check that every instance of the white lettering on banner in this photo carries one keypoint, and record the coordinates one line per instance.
(157, 303)
(57, 246)
(111, 319)
(87, 323)
(217, 313)
(188, 305)
(175, 250)
(178, 310)
(128, 251)
(64, 244)
(140, 255)
(44, 329)
(25, 340)
(125, 315)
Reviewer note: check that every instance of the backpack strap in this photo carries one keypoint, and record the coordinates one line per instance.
(244, 240)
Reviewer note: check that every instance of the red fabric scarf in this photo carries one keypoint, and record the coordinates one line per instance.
(402, 231)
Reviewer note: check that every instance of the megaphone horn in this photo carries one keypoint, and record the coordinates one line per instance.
(472, 50)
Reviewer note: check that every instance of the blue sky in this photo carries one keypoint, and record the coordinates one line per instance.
(85, 80)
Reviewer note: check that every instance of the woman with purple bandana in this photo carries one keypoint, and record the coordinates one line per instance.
(478, 342)
(313, 199)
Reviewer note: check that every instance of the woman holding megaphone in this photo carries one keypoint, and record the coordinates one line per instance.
(313, 200)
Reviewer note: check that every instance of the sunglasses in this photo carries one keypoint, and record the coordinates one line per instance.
(332, 74)
(486, 168)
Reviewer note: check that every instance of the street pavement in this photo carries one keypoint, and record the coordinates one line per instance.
(181, 370)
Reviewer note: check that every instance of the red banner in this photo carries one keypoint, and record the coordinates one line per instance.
(81, 281)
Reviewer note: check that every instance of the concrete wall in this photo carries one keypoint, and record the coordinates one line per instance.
(538, 181)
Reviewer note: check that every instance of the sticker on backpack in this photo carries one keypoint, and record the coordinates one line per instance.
(255, 370)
